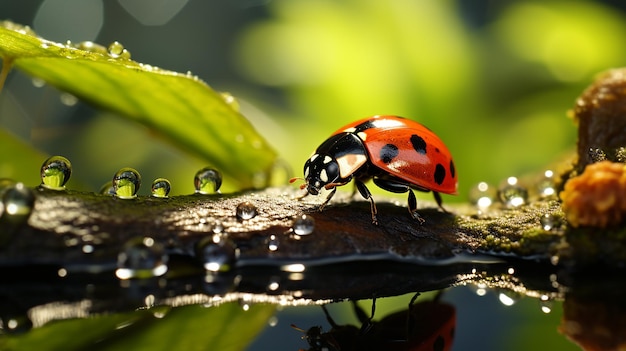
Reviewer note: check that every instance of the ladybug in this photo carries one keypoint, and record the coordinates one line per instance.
(398, 154)
(424, 326)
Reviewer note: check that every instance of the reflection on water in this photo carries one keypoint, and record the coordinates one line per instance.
(513, 305)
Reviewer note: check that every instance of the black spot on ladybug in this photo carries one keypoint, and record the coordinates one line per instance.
(364, 126)
(388, 153)
(418, 144)
(437, 150)
(440, 173)
(439, 343)
(452, 171)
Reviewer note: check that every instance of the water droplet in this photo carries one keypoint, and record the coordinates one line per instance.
(141, 258)
(549, 222)
(161, 187)
(273, 321)
(18, 201)
(92, 47)
(15, 322)
(55, 172)
(596, 155)
(303, 225)
(68, 99)
(107, 189)
(38, 82)
(545, 303)
(207, 181)
(546, 186)
(217, 228)
(512, 194)
(554, 260)
(160, 311)
(117, 50)
(274, 284)
(482, 195)
(216, 256)
(246, 210)
(230, 101)
(272, 243)
(506, 299)
(87, 248)
(126, 183)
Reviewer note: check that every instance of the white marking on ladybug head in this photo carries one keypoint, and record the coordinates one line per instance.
(327, 159)
(349, 163)
(306, 172)
(314, 157)
(362, 135)
(349, 130)
(324, 176)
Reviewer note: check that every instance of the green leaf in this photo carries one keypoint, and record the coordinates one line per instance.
(194, 327)
(180, 107)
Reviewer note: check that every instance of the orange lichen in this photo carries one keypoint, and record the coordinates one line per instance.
(596, 197)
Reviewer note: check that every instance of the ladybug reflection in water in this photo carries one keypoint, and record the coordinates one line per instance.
(425, 326)
(398, 154)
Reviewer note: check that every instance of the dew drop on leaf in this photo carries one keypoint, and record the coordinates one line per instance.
(207, 181)
(116, 50)
(126, 183)
(230, 100)
(55, 172)
(161, 188)
(92, 47)
(38, 82)
(68, 99)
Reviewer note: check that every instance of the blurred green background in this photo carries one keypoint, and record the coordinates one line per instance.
(493, 79)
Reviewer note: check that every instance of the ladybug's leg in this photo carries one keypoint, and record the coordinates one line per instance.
(439, 201)
(366, 322)
(330, 196)
(410, 318)
(368, 196)
(329, 319)
(399, 187)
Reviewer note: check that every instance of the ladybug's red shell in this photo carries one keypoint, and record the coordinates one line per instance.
(407, 150)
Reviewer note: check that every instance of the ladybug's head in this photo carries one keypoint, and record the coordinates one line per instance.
(320, 171)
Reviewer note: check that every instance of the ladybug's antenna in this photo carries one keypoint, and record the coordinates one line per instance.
(298, 328)
(292, 180)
